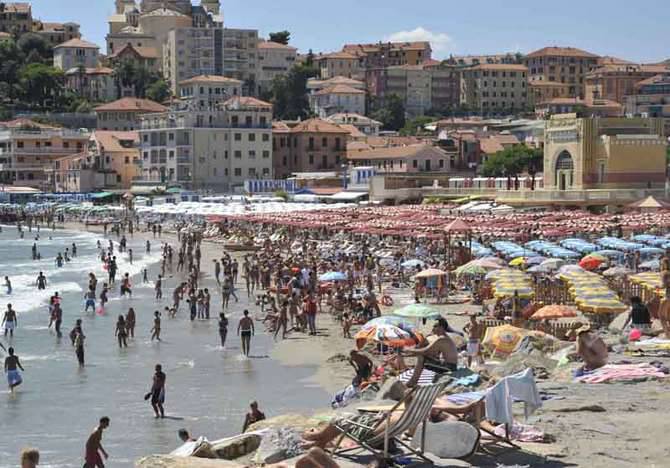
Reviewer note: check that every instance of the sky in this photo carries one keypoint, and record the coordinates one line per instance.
(635, 32)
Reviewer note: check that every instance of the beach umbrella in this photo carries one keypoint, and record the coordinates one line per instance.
(417, 311)
(504, 339)
(487, 263)
(471, 269)
(535, 260)
(597, 256)
(399, 322)
(519, 261)
(554, 311)
(651, 265)
(617, 271)
(333, 276)
(413, 263)
(386, 334)
(552, 263)
(430, 273)
(590, 263)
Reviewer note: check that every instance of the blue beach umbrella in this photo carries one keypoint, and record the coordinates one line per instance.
(333, 276)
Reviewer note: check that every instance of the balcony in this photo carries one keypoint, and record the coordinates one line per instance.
(183, 160)
(48, 150)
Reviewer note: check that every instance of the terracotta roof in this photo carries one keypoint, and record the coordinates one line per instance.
(397, 152)
(339, 89)
(500, 66)
(274, 45)
(317, 126)
(280, 127)
(353, 131)
(431, 63)
(77, 43)
(111, 140)
(218, 79)
(145, 52)
(358, 146)
(609, 60)
(506, 139)
(561, 52)
(337, 55)
(91, 71)
(245, 101)
(132, 104)
(490, 146)
(661, 78)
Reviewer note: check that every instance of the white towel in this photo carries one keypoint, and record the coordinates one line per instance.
(520, 387)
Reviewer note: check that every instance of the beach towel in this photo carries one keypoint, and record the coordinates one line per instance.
(621, 373)
(517, 387)
(427, 377)
(462, 399)
(344, 397)
(520, 432)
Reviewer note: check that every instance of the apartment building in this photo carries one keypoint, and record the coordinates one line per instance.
(56, 33)
(313, 145)
(240, 60)
(419, 158)
(337, 99)
(75, 53)
(388, 54)
(208, 91)
(208, 148)
(191, 52)
(124, 114)
(117, 155)
(420, 87)
(93, 84)
(615, 82)
(141, 57)
(365, 125)
(16, 18)
(497, 89)
(340, 64)
(651, 98)
(544, 91)
(27, 150)
(563, 65)
(274, 60)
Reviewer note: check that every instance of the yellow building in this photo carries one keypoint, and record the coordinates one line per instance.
(565, 65)
(603, 153)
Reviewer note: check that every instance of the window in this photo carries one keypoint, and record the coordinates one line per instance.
(311, 159)
(248, 121)
(238, 172)
(266, 171)
(252, 154)
(171, 155)
(225, 171)
(324, 161)
(238, 154)
(252, 137)
(441, 163)
(415, 163)
(311, 143)
(19, 144)
(252, 172)
(127, 160)
(238, 137)
(171, 136)
(324, 142)
(266, 154)
(266, 137)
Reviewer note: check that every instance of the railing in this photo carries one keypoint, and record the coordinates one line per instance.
(184, 160)
(46, 150)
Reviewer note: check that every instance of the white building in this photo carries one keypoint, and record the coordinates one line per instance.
(216, 148)
(274, 60)
(338, 99)
(207, 91)
(190, 52)
(366, 125)
(75, 53)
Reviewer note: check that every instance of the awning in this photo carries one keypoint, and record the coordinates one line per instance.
(174, 190)
(349, 196)
(97, 196)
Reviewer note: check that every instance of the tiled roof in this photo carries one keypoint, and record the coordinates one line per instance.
(660, 78)
(339, 89)
(561, 52)
(77, 43)
(280, 127)
(317, 126)
(245, 101)
(132, 104)
(490, 145)
(397, 152)
(358, 146)
(274, 45)
(111, 140)
(218, 79)
(500, 66)
(145, 52)
(17, 7)
(353, 131)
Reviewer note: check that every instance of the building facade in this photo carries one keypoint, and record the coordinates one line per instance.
(615, 82)
(208, 149)
(495, 88)
(337, 99)
(146, 57)
(273, 60)
(240, 60)
(403, 159)
(16, 18)
(56, 33)
(209, 91)
(388, 54)
(365, 125)
(117, 155)
(93, 84)
(75, 53)
(340, 64)
(604, 153)
(124, 114)
(191, 52)
(28, 149)
(313, 145)
(565, 65)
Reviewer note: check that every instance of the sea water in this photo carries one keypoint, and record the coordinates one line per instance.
(57, 406)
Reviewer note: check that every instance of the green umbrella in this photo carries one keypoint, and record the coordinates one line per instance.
(419, 311)
(471, 269)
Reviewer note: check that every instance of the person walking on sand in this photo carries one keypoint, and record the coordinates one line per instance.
(10, 321)
(12, 362)
(245, 329)
(282, 320)
(130, 323)
(223, 328)
(156, 330)
(475, 330)
(121, 332)
(92, 458)
(157, 393)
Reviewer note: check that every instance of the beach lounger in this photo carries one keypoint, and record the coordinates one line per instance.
(418, 404)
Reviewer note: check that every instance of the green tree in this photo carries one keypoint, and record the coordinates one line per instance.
(124, 73)
(280, 37)
(416, 125)
(41, 84)
(513, 161)
(158, 91)
(31, 42)
(289, 93)
(392, 114)
(11, 60)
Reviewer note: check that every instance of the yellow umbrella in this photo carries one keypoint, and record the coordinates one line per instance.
(430, 273)
(519, 261)
(504, 339)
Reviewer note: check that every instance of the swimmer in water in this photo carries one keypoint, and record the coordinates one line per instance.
(8, 285)
(41, 281)
(14, 378)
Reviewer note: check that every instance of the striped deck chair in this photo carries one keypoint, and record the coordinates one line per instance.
(418, 404)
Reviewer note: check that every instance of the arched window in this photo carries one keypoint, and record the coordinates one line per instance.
(564, 162)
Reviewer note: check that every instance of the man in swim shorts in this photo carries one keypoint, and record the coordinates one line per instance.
(245, 330)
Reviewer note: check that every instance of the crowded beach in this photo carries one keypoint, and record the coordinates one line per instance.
(449, 337)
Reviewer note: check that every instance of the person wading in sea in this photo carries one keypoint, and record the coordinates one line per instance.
(157, 393)
(94, 446)
(245, 330)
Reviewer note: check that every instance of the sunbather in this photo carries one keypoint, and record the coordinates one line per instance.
(438, 353)
(590, 347)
